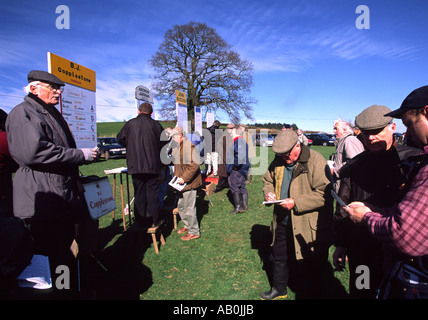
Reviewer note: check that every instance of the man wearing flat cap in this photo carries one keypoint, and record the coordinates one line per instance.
(402, 229)
(47, 193)
(374, 176)
(300, 178)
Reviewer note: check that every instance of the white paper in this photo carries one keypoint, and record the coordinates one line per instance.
(37, 275)
(116, 170)
(340, 201)
(272, 202)
(173, 183)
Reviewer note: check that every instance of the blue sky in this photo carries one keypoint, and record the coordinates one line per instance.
(312, 64)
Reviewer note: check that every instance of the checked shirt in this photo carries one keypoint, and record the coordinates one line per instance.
(406, 225)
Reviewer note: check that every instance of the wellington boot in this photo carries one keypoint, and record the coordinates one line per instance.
(274, 294)
(280, 280)
(245, 201)
(237, 201)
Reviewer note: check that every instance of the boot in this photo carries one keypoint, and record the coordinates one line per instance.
(237, 201)
(244, 201)
(280, 280)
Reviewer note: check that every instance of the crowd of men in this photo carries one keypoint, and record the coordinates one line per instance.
(379, 222)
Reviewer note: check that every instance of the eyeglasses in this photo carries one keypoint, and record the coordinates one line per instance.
(287, 154)
(52, 87)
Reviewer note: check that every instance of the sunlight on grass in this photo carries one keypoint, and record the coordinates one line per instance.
(226, 263)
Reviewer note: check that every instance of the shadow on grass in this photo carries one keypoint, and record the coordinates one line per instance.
(300, 282)
(117, 271)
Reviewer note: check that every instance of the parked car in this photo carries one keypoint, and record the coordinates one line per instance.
(264, 139)
(110, 148)
(320, 139)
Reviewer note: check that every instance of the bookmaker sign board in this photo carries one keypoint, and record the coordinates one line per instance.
(78, 99)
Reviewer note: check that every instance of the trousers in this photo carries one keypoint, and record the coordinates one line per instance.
(187, 211)
(146, 190)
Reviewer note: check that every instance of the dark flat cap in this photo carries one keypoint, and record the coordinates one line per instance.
(417, 99)
(284, 141)
(373, 118)
(43, 76)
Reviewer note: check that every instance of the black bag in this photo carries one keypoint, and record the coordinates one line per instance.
(408, 280)
(16, 247)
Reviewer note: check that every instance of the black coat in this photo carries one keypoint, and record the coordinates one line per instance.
(47, 180)
(142, 138)
(373, 178)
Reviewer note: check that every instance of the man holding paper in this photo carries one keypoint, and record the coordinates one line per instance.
(302, 221)
(186, 168)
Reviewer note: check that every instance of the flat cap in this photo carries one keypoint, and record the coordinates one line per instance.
(231, 126)
(373, 118)
(417, 99)
(43, 76)
(284, 141)
(176, 130)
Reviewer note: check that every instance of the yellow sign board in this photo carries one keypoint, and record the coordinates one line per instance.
(180, 97)
(71, 72)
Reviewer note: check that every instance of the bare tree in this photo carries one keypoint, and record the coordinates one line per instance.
(194, 59)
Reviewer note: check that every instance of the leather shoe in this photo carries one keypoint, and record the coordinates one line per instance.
(189, 236)
(182, 230)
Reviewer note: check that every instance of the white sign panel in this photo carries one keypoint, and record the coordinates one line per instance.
(144, 94)
(78, 109)
(198, 120)
(99, 197)
(182, 117)
(210, 119)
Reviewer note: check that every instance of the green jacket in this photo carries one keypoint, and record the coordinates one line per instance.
(312, 216)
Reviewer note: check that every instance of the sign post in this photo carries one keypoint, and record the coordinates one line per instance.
(198, 120)
(209, 119)
(143, 94)
(181, 109)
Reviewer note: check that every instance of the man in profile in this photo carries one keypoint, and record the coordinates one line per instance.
(142, 138)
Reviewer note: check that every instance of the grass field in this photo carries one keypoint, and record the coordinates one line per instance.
(228, 262)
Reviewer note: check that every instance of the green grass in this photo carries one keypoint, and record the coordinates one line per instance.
(228, 262)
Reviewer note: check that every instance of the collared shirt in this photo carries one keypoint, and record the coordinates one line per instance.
(406, 225)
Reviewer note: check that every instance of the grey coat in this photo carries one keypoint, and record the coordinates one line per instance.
(46, 185)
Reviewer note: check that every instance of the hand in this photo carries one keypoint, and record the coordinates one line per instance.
(180, 180)
(339, 258)
(90, 153)
(288, 203)
(356, 211)
(270, 196)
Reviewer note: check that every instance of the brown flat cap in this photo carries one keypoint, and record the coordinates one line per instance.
(373, 118)
(231, 126)
(284, 141)
(43, 76)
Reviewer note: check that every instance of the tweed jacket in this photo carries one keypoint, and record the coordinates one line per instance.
(310, 186)
(186, 164)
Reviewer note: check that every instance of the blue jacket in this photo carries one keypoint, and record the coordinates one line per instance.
(237, 157)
